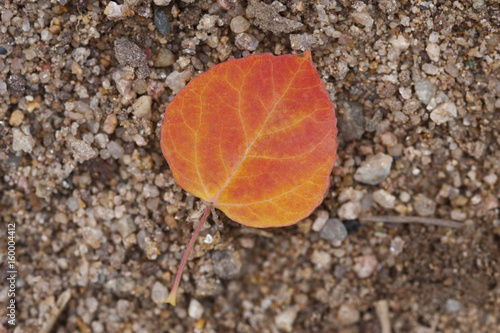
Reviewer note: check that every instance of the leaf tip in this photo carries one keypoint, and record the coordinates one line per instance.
(307, 54)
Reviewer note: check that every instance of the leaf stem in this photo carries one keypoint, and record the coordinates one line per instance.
(173, 292)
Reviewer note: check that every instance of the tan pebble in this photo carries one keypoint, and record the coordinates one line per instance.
(32, 106)
(110, 124)
(389, 139)
(16, 118)
(55, 26)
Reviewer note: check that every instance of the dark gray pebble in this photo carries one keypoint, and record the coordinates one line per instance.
(161, 22)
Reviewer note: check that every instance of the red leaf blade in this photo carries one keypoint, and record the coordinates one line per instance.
(256, 137)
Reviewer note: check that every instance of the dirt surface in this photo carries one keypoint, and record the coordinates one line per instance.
(100, 225)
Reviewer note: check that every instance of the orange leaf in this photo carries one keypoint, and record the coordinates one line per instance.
(254, 137)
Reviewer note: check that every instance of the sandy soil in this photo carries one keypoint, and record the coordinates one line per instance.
(100, 225)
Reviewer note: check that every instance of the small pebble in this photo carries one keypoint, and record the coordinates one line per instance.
(117, 12)
(401, 43)
(22, 141)
(164, 58)
(195, 309)
(161, 22)
(239, 24)
(384, 199)
(365, 266)
(491, 179)
(444, 113)
(303, 42)
(374, 170)
(93, 236)
(425, 90)
(16, 84)
(333, 230)
(348, 315)
(424, 206)
(458, 215)
(320, 221)
(430, 69)
(247, 42)
(285, 319)
(352, 121)
(155, 89)
(115, 149)
(162, 2)
(16, 118)
(124, 308)
(321, 259)
(159, 293)
(389, 139)
(175, 81)
(362, 18)
(433, 51)
(207, 22)
(397, 245)
(3, 50)
(269, 19)
(349, 211)
(110, 124)
(82, 150)
(126, 226)
(227, 264)
(81, 54)
(129, 53)
(142, 107)
(434, 37)
(452, 305)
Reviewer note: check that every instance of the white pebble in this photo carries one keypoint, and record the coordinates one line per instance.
(115, 149)
(22, 141)
(347, 315)
(444, 113)
(207, 22)
(117, 12)
(434, 37)
(400, 42)
(384, 199)
(162, 2)
(284, 321)
(430, 69)
(397, 245)
(195, 309)
(374, 170)
(433, 51)
(174, 82)
(362, 18)
(159, 293)
(320, 221)
(142, 107)
(82, 150)
(365, 266)
(349, 211)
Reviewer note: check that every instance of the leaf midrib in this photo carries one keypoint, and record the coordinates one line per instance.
(213, 201)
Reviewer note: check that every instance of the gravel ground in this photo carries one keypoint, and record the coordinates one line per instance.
(101, 225)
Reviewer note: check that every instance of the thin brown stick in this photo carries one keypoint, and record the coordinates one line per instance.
(61, 303)
(412, 219)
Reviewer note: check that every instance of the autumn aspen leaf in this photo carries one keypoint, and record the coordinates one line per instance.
(255, 138)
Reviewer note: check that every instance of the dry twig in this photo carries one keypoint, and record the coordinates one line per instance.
(412, 219)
